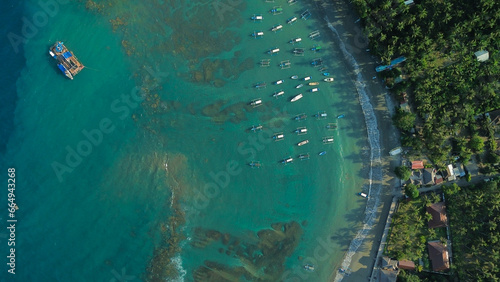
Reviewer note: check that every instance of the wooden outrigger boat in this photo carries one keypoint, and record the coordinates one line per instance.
(300, 117)
(66, 60)
(279, 136)
(302, 143)
(331, 126)
(321, 115)
(287, 160)
(278, 93)
(328, 140)
(301, 130)
(313, 83)
(254, 164)
(256, 128)
(303, 157)
(255, 103)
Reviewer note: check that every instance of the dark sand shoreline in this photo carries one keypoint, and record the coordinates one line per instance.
(342, 16)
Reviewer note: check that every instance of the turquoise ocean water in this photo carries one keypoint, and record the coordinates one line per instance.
(138, 168)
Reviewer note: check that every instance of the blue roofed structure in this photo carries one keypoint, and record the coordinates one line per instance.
(67, 54)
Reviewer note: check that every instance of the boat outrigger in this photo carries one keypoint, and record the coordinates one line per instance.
(260, 85)
(295, 40)
(298, 51)
(278, 93)
(285, 64)
(303, 157)
(258, 34)
(279, 136)
(256, 128)
(331, 126)
(301, 130)
(313, 35)
(279, 82)
(305, 15)
(300, 117)
(286, 160)
(328, 140)
(321, 115)
(273, 51)
(328, 79)
(297, 97)
(257, 18)
(254, 164)
(291, 20)
(316, 89)
(255, 103)
(302, 143)
(66, 60)
(276, 10)
(276, 28)
(265, 63)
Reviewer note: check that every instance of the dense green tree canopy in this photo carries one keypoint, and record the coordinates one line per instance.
(411, 190)
(403, 172)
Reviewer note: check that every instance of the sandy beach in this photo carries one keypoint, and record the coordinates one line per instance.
(342, 16)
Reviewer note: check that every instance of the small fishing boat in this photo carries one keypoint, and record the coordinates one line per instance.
(260, 85)
(316, 48)
(257, 18)
(279, 136)
(302, 143)
(313, 83)
(317, 62)
(321, 115)
(258, 34)
(307, 78)
(331, 126)
(303, 157)
(363, 195)
(254, 164)
(256, 128)
(298, 51)
(296, 97)
(328, 79)
(341, 116)
(299, 86)
(255, 103)
(300, 117)
(323, 69)
(291, 2)
(328, 140)
(326, 73)
(276, 10)
(314, 89)
(305, 15)
(309, 267)
(295, 40)
(291, 20)
(287, 160)
(322, 153)
(276, 28)
(278, 93)
(279, 82)
(313, 35)
(273, 51)
(301, 131)
(294, 77)
(285, 64)
(265, 62)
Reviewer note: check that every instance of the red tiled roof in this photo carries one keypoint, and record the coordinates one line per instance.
(438, 212)
(438, 254)
(417, 165)
(406, 264)
(438, 179)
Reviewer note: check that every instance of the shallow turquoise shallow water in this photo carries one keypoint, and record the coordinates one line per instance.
(107, 211)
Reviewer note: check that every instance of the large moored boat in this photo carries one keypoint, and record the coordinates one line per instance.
(66, 60)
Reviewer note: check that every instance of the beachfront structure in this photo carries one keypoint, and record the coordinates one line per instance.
(406, 264)
(417, 165)
(438, 254)
(482, 55)
(438, 212)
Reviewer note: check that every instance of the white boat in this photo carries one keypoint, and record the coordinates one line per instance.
(304, 156)
(278, 93)
(256, 103)
(300, 85)
(301, 131)
(287, 160)
(301, 143)
(309, 267)
(328, 79)
(279, 81)
(294, 77)
(277, 28)
(297, 97)
(363, 195)
(328, 140)
(291, 20)
(279, 136)
(274, 51)
(314, 89)
(313, 83)
(256, 17)
(307, 78)
(295, 40)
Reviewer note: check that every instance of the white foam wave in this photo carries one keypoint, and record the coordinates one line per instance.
(177, 261)
(375, 174)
